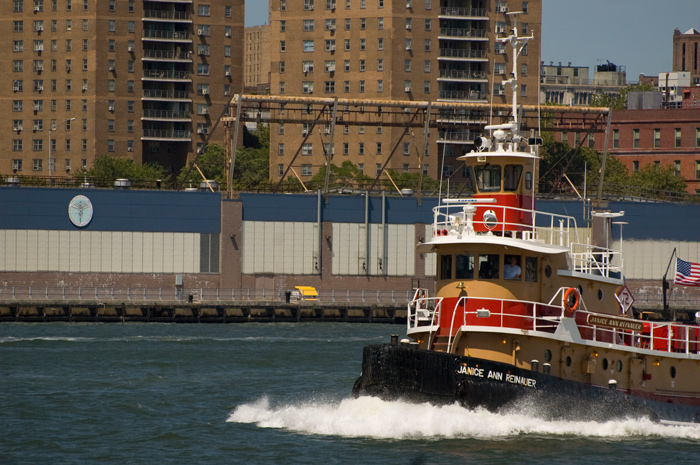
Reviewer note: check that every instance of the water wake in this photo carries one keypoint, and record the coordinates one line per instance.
(373, 417)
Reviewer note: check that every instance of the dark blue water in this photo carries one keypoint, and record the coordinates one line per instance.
(263, 393)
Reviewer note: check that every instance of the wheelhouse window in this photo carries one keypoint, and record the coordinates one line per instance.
(488, 266)
(511, 177)
(488, 178)
(445, 266)
(511, 267)
(531, 269)
(464, 266)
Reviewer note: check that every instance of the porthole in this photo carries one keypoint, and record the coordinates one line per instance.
(547, 271)
(605, 364)
(548, 355)
(619, 366)
(568, 361)
(673, 372)
(600, 294)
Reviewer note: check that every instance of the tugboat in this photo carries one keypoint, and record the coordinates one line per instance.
(526, 314)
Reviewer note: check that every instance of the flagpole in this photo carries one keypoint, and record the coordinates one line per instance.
(664, 285)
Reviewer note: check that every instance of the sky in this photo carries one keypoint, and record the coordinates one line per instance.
(637, 34)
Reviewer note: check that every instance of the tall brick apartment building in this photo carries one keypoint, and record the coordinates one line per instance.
(397, 50)
(143, 79)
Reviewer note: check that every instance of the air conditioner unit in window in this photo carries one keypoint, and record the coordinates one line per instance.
(304, 132)
(67, 67)
(111, 67)
(205, 91)
(500, 71)
(37, 9)
(40, 89)
(332, 48)
(129, 149)
(111, 108)
(85, 87)
(202, 131)
(15, 88)
(131, 48)
(39, 68)
(39, 48)
(408, 48)
(306, 69)
(227, 34)
(407, 89)
(40, 29)
(503, 9)
(227, 93)
(200, 32)
(500, 92)
(409, 5)
(37, 107)
(18, 128)
(201, 52)
(36, 127)
(205, 111)
(408, 27)
(227, 73)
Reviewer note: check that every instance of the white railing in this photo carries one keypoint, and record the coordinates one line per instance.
(597, 260)
(174, 294)
(561, 229)
(618, 331)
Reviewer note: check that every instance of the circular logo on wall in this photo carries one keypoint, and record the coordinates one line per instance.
(80, 211)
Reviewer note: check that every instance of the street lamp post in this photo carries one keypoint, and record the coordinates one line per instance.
(51, 131)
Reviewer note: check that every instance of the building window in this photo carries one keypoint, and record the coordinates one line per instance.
(308, 25)
(380, 23)
(635, 138)
(361, 148)
(37, 163)
(307, 87)
(380, 43)
(426, 45)
(697, 137)
(330, 45)
(329, 87)
(615, 139)
(308, 46)
(347, 45)
(17, 147)
(380, 86)
(307, 148)
(428, 24)
(677, 168)
(697, 169)
(346, 86)
(308, 5)
(227, 11)
(203, 10)
(280, 149)
(306, 170)
(657, 138)
(380, 64)
(677, 137)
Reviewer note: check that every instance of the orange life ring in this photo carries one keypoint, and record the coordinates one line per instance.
(570, 308)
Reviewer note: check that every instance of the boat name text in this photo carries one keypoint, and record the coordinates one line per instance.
(617, 323)
(496, 375)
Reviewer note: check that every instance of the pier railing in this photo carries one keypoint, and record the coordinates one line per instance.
(205, 295)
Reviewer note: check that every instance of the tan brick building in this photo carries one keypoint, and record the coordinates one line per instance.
(394, 49)
(256, 52)
(143, 79)
(686, 56)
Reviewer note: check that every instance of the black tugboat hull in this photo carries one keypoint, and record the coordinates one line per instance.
(392, 372)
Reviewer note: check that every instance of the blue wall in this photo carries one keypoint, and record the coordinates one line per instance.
(166, 211)
(114, 210)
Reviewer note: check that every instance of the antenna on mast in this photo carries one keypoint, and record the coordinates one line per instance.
(515, 41)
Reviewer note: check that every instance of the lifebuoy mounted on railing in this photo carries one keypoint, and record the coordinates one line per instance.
(571, 300)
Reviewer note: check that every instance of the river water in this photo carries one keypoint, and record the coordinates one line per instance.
(263, 393)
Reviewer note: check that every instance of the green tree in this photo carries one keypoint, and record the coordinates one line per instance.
(107, 168)
(252, 165)
(212, 163)
(347, 175)
(617, 102)
(658, 181)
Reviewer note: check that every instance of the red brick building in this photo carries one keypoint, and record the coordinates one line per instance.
(660, 136)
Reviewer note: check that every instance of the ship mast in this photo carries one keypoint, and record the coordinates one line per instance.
(518, 43)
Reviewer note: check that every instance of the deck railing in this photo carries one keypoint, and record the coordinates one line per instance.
(618, 331)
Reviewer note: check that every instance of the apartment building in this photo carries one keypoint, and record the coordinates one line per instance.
(256, 70)
(426, 50)
(142, 79)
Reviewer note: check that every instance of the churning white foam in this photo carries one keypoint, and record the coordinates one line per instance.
(372, 417)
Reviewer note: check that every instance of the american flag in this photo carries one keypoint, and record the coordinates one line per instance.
(687, 273)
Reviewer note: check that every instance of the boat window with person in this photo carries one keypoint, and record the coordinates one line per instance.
(511, 267)
(488, 266)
